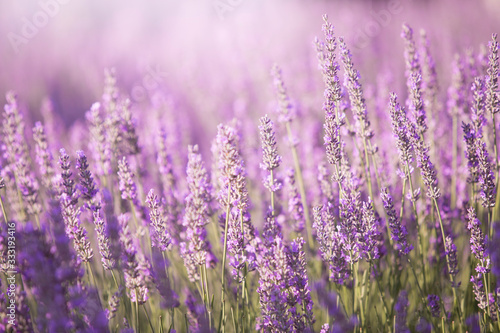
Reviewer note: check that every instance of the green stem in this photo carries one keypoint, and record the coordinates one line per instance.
(136, 305)
(455, 298)
(419, 234)
(272, 193)
(223, 284)
(149, 319)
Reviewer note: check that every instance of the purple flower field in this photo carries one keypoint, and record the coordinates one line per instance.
(250, 166)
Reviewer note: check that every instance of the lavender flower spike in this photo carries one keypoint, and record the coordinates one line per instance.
(274, 273)
(398, 231)
(88, 187)
(270, 157)
(43, 156)
(478, 242)
(70, 211)
(451, 252)
(492, 102)
(400, 123)
(103, 241)
(352, 82)
(285, 109)
(197, 214)
(299, 287)
(127, 184)
(486, 176)
(332, 246)
(433, 301)
(135, 279)
(295, 208)
(160, 237)
(401, 308)
(411, 55)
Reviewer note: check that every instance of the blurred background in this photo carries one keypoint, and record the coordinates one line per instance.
(214, 55)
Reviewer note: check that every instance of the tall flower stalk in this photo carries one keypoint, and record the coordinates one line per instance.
(270, 158)
(286, 115)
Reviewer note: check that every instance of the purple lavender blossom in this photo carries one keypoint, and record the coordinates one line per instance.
(328, 300)
(128, 130)
(113, 304)
(369, 231)
(43, 274)
(401, 308)
(471, 140)
(71, 212)
(160, 236)
(330, 67)
(478, 288)
(451, 252)
(295, 208)
(196, 315)
(98, 144)
(331, 245)
(87, 186)
(411, 55)
(169, 298)
(401, 132)
(433, 302)
(486, 176)
(417, 104)
(477, 107)
(352, 82)
(135, 274)
(197, 214)
(285, 108)
(43, 156)
(103, 240)
(478, 242)
(300, 293)
(351, 222)
(398, 231)
(171, 203)
(233, 198)
(430, 84)
(271, 159)
(127, 185)
(232, 180)
(492, 102)
(273, 283)
(427, 170)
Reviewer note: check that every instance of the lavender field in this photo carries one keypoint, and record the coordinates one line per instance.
(250, 166)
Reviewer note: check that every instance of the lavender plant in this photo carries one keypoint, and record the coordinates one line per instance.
(141, 230)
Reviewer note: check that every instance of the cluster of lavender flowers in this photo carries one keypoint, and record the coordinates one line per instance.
(320, 228)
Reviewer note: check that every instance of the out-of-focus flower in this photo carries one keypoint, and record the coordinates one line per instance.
(401, 308)
(285, 108)
(295, 208)
(433, 302)
(197, 214)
